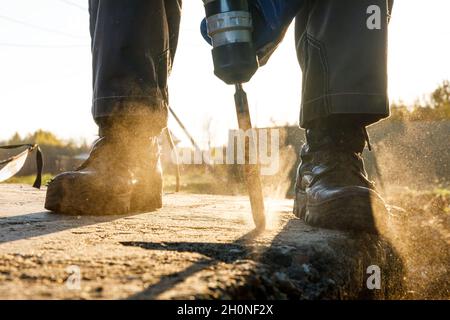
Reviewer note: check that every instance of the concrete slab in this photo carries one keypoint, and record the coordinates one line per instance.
(197, 246)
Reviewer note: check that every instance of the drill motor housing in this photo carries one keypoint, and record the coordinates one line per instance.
(230, 27)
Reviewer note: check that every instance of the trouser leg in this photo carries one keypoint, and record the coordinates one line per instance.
(342, 49)
(133, 47)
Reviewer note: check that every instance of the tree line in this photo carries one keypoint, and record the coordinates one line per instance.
(435, 108)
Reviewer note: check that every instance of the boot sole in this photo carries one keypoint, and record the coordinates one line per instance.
(79, 205)
(365, 212)
(65, 196)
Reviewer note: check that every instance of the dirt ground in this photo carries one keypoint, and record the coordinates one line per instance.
(197, 246)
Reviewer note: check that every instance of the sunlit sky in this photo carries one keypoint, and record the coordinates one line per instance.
(45, 70)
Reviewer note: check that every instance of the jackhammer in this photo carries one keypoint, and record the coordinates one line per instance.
(230, 27)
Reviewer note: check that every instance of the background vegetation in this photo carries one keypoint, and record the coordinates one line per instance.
(436, 107)
(415, 138)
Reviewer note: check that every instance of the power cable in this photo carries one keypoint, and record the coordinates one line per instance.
(42, 46)
(30, 25)
(70, 3)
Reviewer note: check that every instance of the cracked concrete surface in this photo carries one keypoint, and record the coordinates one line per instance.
(197, 246)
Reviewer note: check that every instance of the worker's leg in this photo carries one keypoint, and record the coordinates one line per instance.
(133, 46)
(342, 49)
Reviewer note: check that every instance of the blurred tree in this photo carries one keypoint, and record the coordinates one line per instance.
(437, 108)
(399, 112)
(420, 113)
(41, 137)
(440, 100)
(15, 139)
(441, 96)
(45, 138)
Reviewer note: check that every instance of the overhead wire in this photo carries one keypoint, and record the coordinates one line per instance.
(75, 5)
(31, 25)
(42, 46)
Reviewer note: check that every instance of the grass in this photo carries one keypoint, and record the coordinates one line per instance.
(29, 179)
(203, 183)
(190, 182)
(442, 192)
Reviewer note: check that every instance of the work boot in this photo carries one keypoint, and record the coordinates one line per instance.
(332, 188)
(122, 175)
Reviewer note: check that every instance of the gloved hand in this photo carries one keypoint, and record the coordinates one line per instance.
(271, 19)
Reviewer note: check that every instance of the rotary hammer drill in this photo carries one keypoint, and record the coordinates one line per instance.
(229, 26)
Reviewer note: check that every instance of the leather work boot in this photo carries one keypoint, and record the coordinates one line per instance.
(332, 188)
(122, 175)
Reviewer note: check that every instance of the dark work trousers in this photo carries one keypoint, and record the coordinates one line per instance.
(133, 47)
(342, 51)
